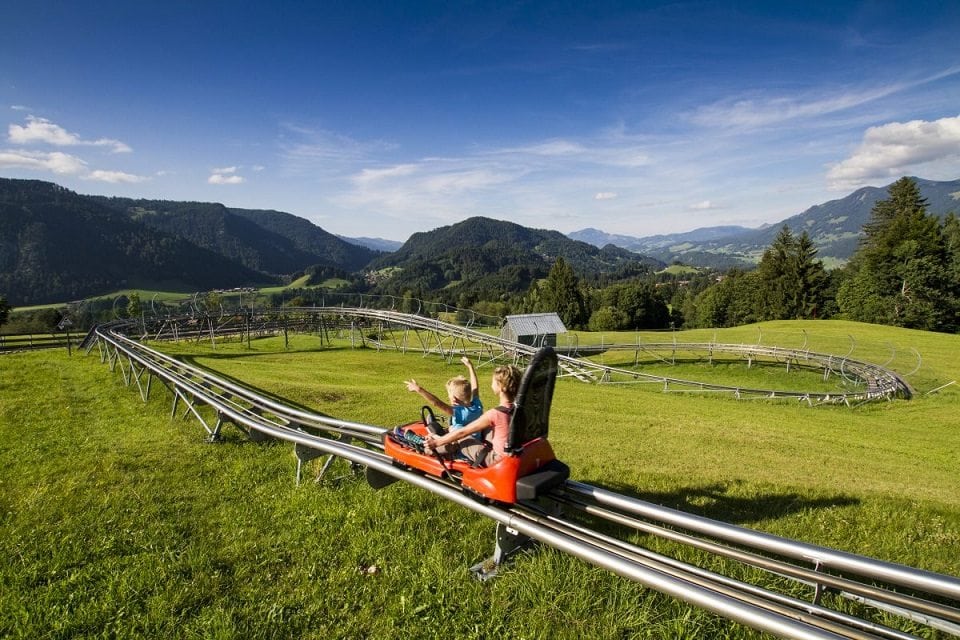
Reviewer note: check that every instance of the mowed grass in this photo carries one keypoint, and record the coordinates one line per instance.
(118, 521)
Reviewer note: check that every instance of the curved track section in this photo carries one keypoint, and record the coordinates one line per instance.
(827, 576)
(385, 329)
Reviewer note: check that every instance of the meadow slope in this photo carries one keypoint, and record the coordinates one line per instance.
(118, 521)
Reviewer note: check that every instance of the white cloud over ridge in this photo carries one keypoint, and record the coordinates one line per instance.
(225, 178)
(115, 177)
(306, 150)
(62, 164)
(41, 130)
(896, 149)
(55, 162)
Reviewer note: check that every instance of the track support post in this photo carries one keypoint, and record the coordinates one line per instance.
(509, 542)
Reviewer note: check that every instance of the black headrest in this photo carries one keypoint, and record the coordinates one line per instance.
(531, 414)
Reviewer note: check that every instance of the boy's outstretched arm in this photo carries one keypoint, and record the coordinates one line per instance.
(434, 400)
(474, 385)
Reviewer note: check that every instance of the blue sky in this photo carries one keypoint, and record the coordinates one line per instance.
(383, 119)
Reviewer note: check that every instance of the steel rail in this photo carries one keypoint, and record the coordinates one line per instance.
(824, 557)
(879, 382)
(744, 603)
(933, 614)
(848, 625)
(724, 605)
(895, 383)
(291, 414)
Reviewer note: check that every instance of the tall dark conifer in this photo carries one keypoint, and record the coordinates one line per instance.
(900, 275)
(4, 310)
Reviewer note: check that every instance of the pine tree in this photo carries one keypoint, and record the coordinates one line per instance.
(790, 279)
(778, 278)
(811, 280)
(900, 274)
(4, 310)
(560, 292)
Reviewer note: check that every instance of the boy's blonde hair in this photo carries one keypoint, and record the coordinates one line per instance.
(459, 388)
(508, 377)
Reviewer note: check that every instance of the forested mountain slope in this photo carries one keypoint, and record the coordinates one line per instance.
(56, 245)
(269, 241)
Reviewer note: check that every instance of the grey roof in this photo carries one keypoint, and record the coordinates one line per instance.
(534, 324)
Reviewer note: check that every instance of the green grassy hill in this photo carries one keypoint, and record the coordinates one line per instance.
(118, 521)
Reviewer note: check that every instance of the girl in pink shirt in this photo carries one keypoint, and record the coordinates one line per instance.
(505, 382)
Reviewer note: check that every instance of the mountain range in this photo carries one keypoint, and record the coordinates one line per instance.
(835, 228)
(57, 245)
(484, 259)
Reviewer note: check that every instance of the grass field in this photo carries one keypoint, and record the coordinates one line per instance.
(118, 521)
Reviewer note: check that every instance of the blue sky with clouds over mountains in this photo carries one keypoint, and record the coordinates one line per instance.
(382, 119)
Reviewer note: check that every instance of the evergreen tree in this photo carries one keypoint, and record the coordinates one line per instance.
(811, 280)
(900, 274)
(791, 280)
(4, 310)
(951, 236)
(777, 278)
(560, 292)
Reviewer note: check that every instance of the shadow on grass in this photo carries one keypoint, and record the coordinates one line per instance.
(715, 502)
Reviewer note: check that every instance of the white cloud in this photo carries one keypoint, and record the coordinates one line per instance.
(313, 151)
(115, 177)
(40, 130)
(760, 110)
(605, 195)
(369, 176)
(553, 148)
(602, 151)
(225, 170)
(459, 181)
(896, 149)
(755, 113)
(61, 164)
(428, 183)
(225, 178)
(702, 206)
(56, 162)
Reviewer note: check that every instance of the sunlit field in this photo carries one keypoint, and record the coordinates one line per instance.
(120, 521)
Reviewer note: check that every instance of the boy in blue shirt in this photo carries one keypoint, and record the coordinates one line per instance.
(464, 405)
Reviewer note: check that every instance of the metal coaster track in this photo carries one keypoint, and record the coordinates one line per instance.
(828, 576)
(387, 329)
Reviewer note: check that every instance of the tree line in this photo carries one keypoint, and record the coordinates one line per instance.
(905, 272)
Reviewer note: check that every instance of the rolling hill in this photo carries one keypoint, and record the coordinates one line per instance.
(264, 240)
(487, 257)
(57, 245)
(834, 226)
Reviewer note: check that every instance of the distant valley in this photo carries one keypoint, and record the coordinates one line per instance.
(834, 227)
(57, 245)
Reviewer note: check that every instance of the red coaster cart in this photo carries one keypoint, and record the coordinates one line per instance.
(530, 467)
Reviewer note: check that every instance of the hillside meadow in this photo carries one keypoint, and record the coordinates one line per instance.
(117, 520)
